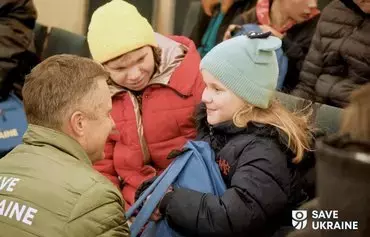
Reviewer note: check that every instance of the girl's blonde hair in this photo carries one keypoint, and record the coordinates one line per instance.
(291, 125)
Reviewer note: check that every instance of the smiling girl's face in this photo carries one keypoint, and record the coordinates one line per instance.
(221, 102)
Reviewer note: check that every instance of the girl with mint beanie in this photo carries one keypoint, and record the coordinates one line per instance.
(257, 143)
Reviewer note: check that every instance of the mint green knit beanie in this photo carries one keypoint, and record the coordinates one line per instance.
(246, 66)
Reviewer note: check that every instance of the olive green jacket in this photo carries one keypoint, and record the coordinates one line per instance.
(49, 188)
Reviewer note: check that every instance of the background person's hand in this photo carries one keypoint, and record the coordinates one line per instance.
(226, 4)
(267, 28)
(230, 29)
(209, 5)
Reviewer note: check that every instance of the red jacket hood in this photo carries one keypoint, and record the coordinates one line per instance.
(185, 75)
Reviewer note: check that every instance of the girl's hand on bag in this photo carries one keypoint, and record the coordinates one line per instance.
(230, 29)
(267, 28)
(157, 215)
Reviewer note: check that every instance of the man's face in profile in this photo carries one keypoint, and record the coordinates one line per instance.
(99, 124)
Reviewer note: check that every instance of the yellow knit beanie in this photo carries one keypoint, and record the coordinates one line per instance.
(117, 28)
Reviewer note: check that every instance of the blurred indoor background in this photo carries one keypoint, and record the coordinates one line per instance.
(166, 16)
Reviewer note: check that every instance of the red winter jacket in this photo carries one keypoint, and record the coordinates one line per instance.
(139, 150)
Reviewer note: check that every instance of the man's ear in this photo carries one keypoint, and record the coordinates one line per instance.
(77, 123)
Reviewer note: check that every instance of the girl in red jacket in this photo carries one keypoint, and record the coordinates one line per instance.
(155, 85)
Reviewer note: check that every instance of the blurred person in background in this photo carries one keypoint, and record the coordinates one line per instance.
(345, 159)
(339, 60)
(17, 54)
(155, 84)
(293, 21)
(214, 19)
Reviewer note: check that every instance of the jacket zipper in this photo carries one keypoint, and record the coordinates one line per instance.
(210, 130)
(211, 133)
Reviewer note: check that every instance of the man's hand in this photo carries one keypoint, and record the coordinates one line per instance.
(209, 5)
(267, 28)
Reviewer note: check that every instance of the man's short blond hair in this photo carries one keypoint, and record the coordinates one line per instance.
(57, 86)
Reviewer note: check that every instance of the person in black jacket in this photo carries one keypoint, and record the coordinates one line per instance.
(258, 146)
(17, 20)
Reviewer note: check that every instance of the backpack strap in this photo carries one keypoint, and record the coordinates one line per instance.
(156, 191)
(144, 195)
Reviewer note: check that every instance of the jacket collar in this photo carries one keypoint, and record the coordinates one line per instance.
(172, 54)
(185, 75)
(222, 132)
(263, 8)
(228, 127)
(42, 136)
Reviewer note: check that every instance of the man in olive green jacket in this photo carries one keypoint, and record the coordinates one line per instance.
(48, 187)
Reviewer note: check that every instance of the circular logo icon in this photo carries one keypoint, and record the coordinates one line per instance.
(299, 219)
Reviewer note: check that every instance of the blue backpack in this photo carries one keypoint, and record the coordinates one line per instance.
(196, 164)
(13, 123)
